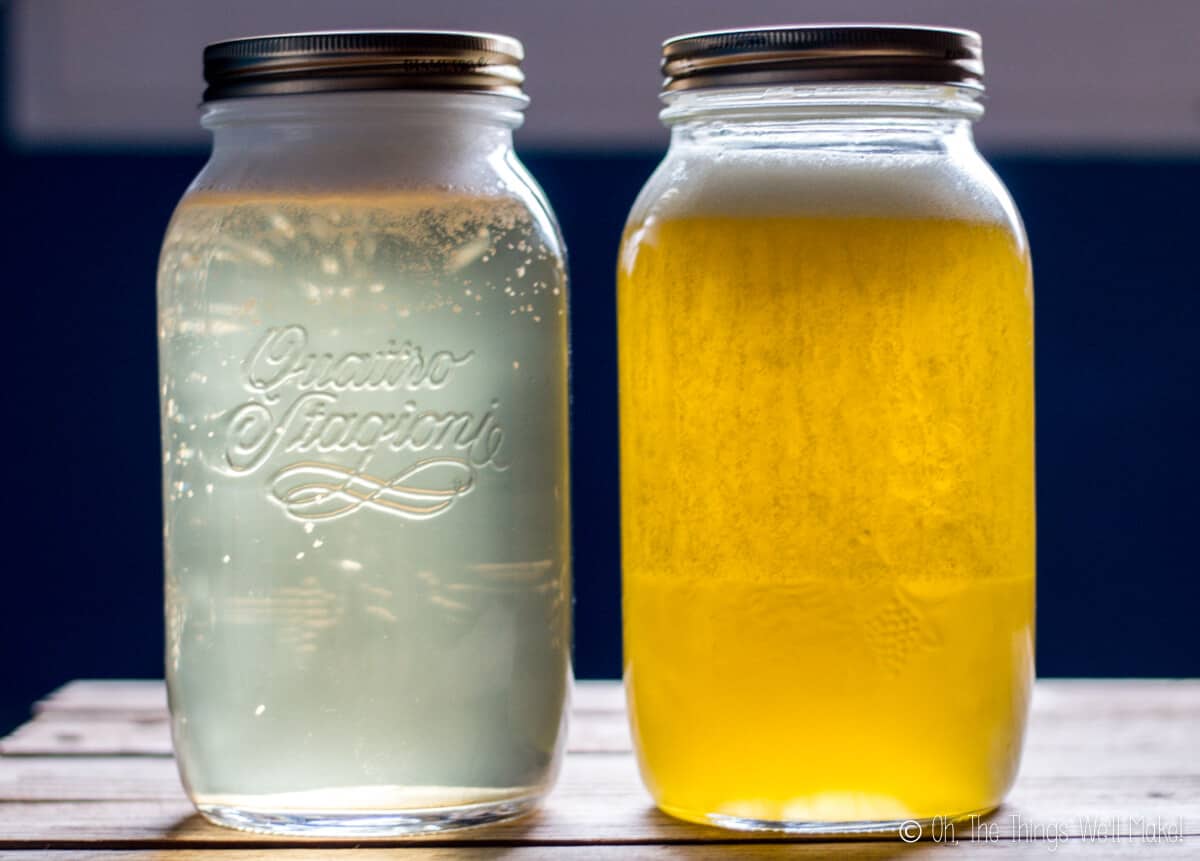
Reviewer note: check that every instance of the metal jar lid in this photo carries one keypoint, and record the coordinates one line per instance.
(370, 60)
(828, 53)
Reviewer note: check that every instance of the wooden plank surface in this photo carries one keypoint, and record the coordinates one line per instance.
(150, 695)
(129, 718)
(1078, 728)
(92, 771)
(998, 850)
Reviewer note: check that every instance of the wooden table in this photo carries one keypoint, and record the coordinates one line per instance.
(1111, 769)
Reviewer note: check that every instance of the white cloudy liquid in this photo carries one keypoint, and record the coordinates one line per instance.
(366, 501)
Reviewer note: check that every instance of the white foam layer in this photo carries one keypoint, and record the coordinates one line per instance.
(739, 183)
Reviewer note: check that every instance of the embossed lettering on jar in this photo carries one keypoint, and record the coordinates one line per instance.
(363, 362)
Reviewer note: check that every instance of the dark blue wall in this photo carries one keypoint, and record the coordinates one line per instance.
(1118, 318)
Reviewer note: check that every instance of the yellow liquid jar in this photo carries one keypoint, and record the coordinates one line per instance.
(826, 391)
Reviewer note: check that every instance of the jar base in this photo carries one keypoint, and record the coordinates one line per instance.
(367, 823)
(908, 830)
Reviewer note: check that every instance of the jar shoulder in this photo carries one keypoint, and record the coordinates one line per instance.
(525, 187)
(234, 180)
(251, 224)
(696, 182)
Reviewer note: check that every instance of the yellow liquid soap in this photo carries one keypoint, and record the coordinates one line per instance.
(828, 513)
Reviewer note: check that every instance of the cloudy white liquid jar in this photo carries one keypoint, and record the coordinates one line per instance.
(363, 365)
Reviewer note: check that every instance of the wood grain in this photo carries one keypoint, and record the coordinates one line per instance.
(1078, 728)
(598, 799)
(1005, 850)
(146, 733)
(92, 771)
(121, 696)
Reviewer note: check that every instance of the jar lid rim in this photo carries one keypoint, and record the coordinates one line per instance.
(823, 53)
(330, 61)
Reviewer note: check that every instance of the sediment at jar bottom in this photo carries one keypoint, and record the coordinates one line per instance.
(827, 513)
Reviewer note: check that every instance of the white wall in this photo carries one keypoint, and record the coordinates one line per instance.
(1062, 75)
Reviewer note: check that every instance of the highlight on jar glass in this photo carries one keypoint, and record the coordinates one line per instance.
(827, 456)
(363, 359)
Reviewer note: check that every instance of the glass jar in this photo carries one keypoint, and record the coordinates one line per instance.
(363, 359)
(826, 392)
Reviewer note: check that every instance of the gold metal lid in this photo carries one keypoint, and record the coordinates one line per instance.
(827, 53)
(369, 60)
